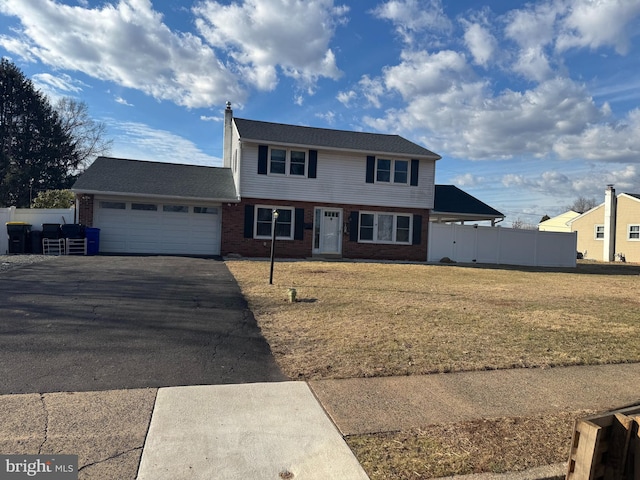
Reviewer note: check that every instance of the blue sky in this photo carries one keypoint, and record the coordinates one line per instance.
(530, 104)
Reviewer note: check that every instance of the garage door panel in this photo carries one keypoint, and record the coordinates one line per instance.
(148, 231)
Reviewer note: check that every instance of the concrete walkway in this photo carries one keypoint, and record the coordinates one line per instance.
(280, 430)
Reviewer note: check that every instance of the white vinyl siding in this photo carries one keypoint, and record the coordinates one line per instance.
(341, 179)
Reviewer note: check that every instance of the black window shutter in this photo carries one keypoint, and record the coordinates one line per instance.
(354, 218)
(248, 221)
(299, 227)
(313, 163)
(263, 151)
(414, 172)
(417, 230)
(371, 168)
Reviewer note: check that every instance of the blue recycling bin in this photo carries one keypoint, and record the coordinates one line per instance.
(93, 240)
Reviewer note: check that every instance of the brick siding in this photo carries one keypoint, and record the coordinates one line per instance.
(234, 242)
(85, 210)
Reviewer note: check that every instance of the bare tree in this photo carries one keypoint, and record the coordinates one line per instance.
(520, 224)
(88, 134)
(582, 204)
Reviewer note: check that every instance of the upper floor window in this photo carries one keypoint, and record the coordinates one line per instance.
(599, 232)
(634, 232)
(392, 171)
(287, 162)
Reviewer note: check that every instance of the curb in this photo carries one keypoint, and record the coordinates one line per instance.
(548, 472)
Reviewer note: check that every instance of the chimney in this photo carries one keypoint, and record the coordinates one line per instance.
(226, 140)
(610, 204)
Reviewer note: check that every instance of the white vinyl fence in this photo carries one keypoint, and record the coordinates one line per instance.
(33, 216)
(496, 245)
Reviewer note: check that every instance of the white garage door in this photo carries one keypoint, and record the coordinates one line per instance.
(142, 226)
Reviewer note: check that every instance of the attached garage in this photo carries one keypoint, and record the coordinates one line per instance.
(151, 226)
(154, 207)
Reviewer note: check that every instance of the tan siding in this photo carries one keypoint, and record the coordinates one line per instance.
(340, 180)
(628, 214)
(585, 226)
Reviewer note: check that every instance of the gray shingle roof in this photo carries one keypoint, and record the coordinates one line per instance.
(137, 177)
(327, 138)
(450, 199)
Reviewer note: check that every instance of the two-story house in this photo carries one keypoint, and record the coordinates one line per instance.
(336, 194)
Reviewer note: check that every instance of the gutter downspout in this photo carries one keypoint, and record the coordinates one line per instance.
(610, 207)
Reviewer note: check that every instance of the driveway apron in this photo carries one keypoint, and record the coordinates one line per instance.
(122, 322)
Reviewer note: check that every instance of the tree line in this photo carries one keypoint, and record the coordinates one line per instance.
(42, 146)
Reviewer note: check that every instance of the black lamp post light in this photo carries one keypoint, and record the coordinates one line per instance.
(274, 220)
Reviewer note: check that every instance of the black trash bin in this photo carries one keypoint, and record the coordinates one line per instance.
(36, 242)
(19, 240)
(51, 231)
(72, 230)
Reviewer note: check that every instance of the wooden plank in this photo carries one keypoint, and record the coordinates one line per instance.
(618, 439)
(587, 437)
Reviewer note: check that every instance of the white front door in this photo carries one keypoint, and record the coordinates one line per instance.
(328, 231)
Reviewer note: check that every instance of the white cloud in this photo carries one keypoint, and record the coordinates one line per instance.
(56, 87)
(122, 101)
(422, 73)
(346, 98)
(411, 17)
(534, 25)
(206, 118)
(595, 24)
(480, 42)
(329, 117)
(163, 64)
(139, 141)
(606, 142)
(468, 180)
(262, 35)
(372, 90)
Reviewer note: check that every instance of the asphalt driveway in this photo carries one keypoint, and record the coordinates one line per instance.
(109, 322)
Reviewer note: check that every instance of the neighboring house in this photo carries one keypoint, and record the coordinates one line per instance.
(455, 205)
(610, 231)
(337, 194)
(559, 223)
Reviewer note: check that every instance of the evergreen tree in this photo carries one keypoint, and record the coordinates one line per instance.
(35, 152)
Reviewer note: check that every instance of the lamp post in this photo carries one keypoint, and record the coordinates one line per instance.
(274, 220)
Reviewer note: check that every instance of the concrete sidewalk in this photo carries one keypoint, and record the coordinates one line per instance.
(385, 404)
(277, 430)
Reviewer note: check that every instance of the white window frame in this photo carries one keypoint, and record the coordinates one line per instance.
(597, 229)
(636, 231)
(271, 208)
(287, 162)
(392, 171)
(394, 239)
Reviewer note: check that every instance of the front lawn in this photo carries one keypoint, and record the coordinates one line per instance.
(359, 319)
